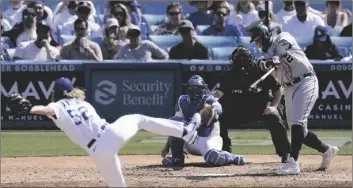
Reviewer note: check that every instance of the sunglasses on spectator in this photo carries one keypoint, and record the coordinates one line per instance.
(173, 13)
(27, 17)
(80, 28)
(221, 14)
(133, 33)
(119, 13)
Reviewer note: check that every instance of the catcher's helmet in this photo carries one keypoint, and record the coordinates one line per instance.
(261, 32)
(196, 87)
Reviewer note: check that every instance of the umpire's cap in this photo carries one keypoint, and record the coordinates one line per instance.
(63, 84)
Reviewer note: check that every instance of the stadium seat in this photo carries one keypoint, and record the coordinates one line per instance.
(344, 45)
(303, 42)
(165, 41)
(66, 38)
(201, 28)
(153, 19)
(222, 53)
(99, 18)
(153, 27)
(11, 52)
(217, 41)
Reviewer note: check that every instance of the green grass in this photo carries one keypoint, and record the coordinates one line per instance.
(55, 143)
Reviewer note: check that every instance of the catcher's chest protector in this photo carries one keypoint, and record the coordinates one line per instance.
(189, 108)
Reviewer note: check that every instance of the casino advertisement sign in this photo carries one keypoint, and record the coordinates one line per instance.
(334, 105)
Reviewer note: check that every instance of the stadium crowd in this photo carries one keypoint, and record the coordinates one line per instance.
(76, 30)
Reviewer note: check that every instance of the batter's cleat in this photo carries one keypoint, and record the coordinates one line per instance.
(191, 128)
(291, 167)
(327, 157)
(170, 161)
(285, 158)
(239, 160)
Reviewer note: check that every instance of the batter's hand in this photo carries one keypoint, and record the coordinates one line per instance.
(269, 110)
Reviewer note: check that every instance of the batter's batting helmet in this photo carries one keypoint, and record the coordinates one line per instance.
(261, 32)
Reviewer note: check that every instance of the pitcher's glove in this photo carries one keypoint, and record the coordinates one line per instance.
(18, 105)
(207, 115)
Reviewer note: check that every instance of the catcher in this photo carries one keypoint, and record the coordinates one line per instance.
(209, 143)
(241, 105)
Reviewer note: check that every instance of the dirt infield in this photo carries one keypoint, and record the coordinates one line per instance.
(146, 171)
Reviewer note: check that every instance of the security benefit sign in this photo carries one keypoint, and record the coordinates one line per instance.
(35, 82)
(147, 92)
(333, 109)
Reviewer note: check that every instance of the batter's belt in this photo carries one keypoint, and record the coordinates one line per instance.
(94, 140)
(298, 79)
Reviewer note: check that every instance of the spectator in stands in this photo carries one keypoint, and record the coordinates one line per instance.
(347, 31)
(5, 25)
(25, 30)
(38, 50)
(285, 13)
(83, 12)
(322, 47)
(260, 4)
(133, 7)
(203, 15)
(16, 5)
(219, 26)
(244, 10)
(122, 14)
(122, 39)
(81, 47)
(140, 49)
(189, 48)
(43, 13)
(303, 23)
(65, 11)
(335, 18)
(174, 14)
(274, 27)
(111, 30)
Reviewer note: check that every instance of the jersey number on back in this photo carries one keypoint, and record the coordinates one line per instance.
(78, 116)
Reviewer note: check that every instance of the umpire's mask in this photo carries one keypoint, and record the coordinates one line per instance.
(241, 59)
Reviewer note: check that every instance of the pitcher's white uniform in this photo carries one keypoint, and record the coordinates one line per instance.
(81, 123)
(300, 97)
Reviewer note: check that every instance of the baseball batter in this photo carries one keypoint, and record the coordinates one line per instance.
(81, 123)
(295, 73)
(209, 142)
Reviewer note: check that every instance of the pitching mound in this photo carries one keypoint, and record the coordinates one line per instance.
(146, 171)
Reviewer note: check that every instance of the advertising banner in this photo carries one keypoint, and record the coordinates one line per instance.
(35, 82)
(121, 89)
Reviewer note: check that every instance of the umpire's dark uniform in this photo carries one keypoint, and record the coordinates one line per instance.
(241, 106)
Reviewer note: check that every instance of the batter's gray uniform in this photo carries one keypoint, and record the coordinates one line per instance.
(300, 97)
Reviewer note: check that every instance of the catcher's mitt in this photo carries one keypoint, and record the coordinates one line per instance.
(17, 104)
(207, 115)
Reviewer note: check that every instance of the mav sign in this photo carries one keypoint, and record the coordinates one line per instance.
(35, 86)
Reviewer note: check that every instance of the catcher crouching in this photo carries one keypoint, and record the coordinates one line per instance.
(209, 142)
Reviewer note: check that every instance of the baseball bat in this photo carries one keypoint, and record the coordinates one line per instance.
(216, 93)
(254, 85)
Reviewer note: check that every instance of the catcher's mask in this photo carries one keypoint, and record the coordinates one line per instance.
(241, 59)
(196, 87)
(261, 32)
(62, 86)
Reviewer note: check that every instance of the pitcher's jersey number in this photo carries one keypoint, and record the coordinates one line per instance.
(78, 115)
